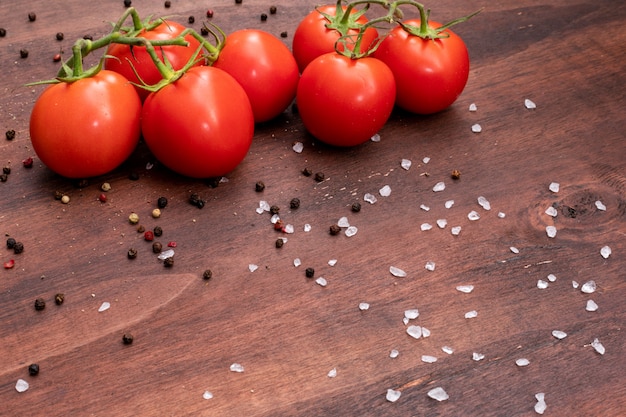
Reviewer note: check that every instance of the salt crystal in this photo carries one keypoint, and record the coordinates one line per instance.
(429, 359)
(476, 128)
(393, 354)
(473, 107)
(605, 252)
(530, 104)
(591, 306)
(343, 222)
(149, 165)
(554, 187)
(440, 186)
(393, 395)
(375, 138)
(426, 159)
(405, 321)
(207, 395)
(104, 306)
(442, 223)
(456, 230)
(478, 356)
(426, 226)
(405, 164)
(465, 288)
(425, 207)
(307, 227)
(438, 394)
(21, 385)
(600, 205)
(332, 373)
(364, 306)
(252, 267)
(551, 211)
(551, 231)
(540, 406)
(589, 287)
(542, 285)
(559, 334)
(264, 205)
(224, 180)
(473, 215)
(471, 314)
(321, 281)
(259, 210)
(166, 254)
(298, 147)
(370, 198)
(332, 262)
(274, 219)
(448, 204)
(385, 191)
(551, 277)
(598, 346)
(448, 350)
(397, 272)
(297, 262)
(351, 231)
(501, 215)
(425, 332)
(289, 229)
(514, 249)
(484, 203)
(236, 367)
(575, 284)
(414, 331)
(430, 266)
(522, 362)
(412, 314)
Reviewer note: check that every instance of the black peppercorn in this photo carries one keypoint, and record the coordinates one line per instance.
(356, 207)
(132, 253)
(40, 304)
(204, 31)
(307, 172)
(32, 17)
(127, 3)
(3, 32)
(162, 202)
(335, 229)
(127, 338)
(23, 53)
(238, 1)
(309, 272)
(158, 231)
(200, 204)
(263, 17)
(10, 134)
(60, 36)
(33, 369)
(168, 262)
(319, 176)
(6, 170)
(141, 228)
(272, 9)
(168, 3)
(259, 186)
(279, 243)
(4, 177)
(11, 243)
(59, 298)
(294, 203)
(195, 200)
(283, 34)
(274, 209)
(18, 248)
(191, 19)
(88, 37)
(208, 274)
(157, 247)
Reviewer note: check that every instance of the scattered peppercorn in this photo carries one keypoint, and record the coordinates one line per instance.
(272, 9)
(60, 36)
(133, 218)
(33, 369)
(309, 272)
(456, 174)
(133, 176)
(56, 57)
(167, 4)
(319, 176)
(65, 199)
(307, 172)
(23, 53)
(132, 253)
(3, 32)
(156, 213)
(9, 264)
(191, 19)
(157, 247)
(274, 209)
(238, 1)
(6, 170)
(4, 177)
(195, 200)
(171, 244)
(10, 134)
(162, 202)
(58, 195)
(263, 17)
(81, 183)
(334, 229)
(283, 34)
(209, 13)
(204, 31)
(11, 243)
(158, 231)
(28, 162)
(40, 304)
(18, 248)
(105, 187)
(207, 274)
(88, 37)
(32, 17)
(148, 235)
(127, 3)
(279, 243)
(103, 198)
(259, 186)
(141, 228)
(356, 207)
(127, 338)
(59, 298)
(294, 204)
(213, 182)
(168, 262)
(279, 225)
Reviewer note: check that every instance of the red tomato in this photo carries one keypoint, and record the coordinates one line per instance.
(312, 38)
(344, 101)
(264, 67)
(430, 73)
(88, 127)
(124, 57)
(201, 125)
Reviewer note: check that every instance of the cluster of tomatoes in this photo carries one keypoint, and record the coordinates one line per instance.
(197, 114)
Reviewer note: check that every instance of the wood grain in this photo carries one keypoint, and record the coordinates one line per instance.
(287, 331)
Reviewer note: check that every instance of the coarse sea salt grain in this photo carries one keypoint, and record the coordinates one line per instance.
(430, 266)
(307, 227)
(551, 231)
(438, 394)
(166, 254)
(424, 207)
(297, 262)
(477, 128)
(542, 285)
(471, 314)
(600, 205)
(551, 277)
(484, 203)
(289, 229)
(448, 350)
(575, 284)
(554, 187)
(370, 198)
(207, 395)
(522, 362)
(477, 356)
(364, 306)
(343, 222)
(440, 186)
(426, 159)
(605, 252)
(263, 206)
(414, 331)
(298, 147)
(274, 219)
(321, 281)
(599, 347)
(591, 306)
(559, 334)
(104, 306)
(456, 230)
(236, 367)
(426, 226)
(425, 332)
(589, 287)
(397, 272)
(442, 223)
(21, 385)
(411, 314)
(551, 211)
(501, 215)
(332, 262)
(448, 204)
(473, 107)
(514, 249)
(332, 373)
(540, 405)
(465, 288)
(385, 191)
(405, 164)
(473, 215)
(351, 231)
(252, 267)
(393, 395)
(529, 104)
(375, 138)
(429, 359)
(394, 353)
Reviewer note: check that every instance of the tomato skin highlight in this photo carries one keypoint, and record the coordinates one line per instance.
(430, 74)
(264, 67)
(201, 125)
(123, 58)
(312, 38)
(88, 127)
(343, 101)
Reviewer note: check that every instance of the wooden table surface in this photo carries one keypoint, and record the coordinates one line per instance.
(287, 331)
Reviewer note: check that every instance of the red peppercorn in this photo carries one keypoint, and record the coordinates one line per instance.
(56, 58)
(9, 264)
(209, 13)
(102, 197)
(171, 244)
(149, 235)
(28, 162)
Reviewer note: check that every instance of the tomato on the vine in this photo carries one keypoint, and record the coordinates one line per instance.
(313, 37)
(264, 67)
(344, 101)
(87, 127)
(430, 74)
(127, 60)
(201, 125)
